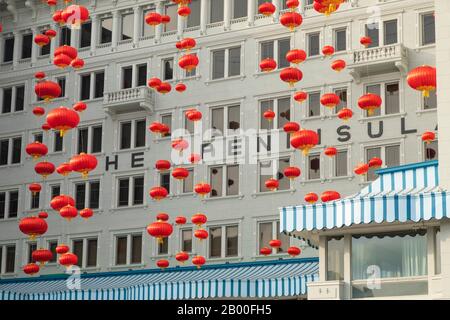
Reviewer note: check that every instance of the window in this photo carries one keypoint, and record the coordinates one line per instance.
(90, 139)
(193, 20)
(35, 197)
(136, 249)
(269, 230)
(7, 100)
(335, 258)
(98, 79)
(186, 240)
(127, 26)
(128, 249)
(8, 252)
(99, 84)
(38, 137)
(216, 11)
(51, 245)
(146, 30)
(342, 94)
(277, 50)
(163, 247)
(223, 241)
(172, 11)
(373, 31)
(132, 133)
(127, 77)
(130, 191)
(27, 42)
(341, 164)
(225, 120)
(313, 104)
(32, 246)
(55, 191)
(13, 157)
(390, 32)
(313, 165)
(167, 69)
(188, 183)
(282, 109)
(428, 28)
(62, 83)
(226, 63)
(77, 249)
(430, 102)
(85, 248)
(85, 34)
(58, 142)
(164, 180)
(431, 150)
(188, 125)
(391, 100)
(8, 105)
(64, 36)
(240, 8)
(390, 155)
(8, 51)
(267, 170)
(9, 201)
(224, 180)
(87, 195)
(142, 75)
(191, 73)
(85, 86)
(313, 44)
(45, 50)
(106, 26)
(340, 39)
(121, 250)
(167, 120)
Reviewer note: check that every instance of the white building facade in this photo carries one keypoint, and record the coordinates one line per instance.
(122, 53)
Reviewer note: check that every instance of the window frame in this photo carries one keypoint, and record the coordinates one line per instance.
(225, 168)
(87, 192)
(13, 106)
(3, 265)
(223, 241)
(131, 190)
(90, 137)
(11, 153)
(278, 160)
(85, 248)
(383, 84)
(226, 66)
(275, 235)
(133, 134)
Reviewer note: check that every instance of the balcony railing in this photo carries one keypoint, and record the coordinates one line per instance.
(129, 100)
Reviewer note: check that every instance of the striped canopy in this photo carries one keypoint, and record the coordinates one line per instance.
(408, 193)
(270, 279)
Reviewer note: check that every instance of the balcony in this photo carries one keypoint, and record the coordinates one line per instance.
(327, 290)
(378, 60)
(129, 100)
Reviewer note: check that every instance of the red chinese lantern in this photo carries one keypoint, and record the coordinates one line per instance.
(338, 65)
(361, 169)
(162, 165)
(188, 43)
(292, 4)
(40, 75)
(184, 11)
(36, 149)
(86, 213)
(38, 111)
(64, 169)
(57, 17)
(201, 234)
(165, 130)
(160, 230)
(375, 163)
(291, 20)
(328, 51)
(165, 19)
(42, 256)
(158, 193)
(423, 79)
(162, 216)
(365, 41)
(330, 100)
(83, 163)
(62, 61)
(69, 51)
(370, 102)
(267, 65)
(33, 226)
(188, 62)
(202, 189)
(180, 145)
(290, 127)
(304, 140)
(182, 257)
(45, 127)
(300, 96)
(199, 219)
(155, 127)
(180, 220)
(296, 56)
(154, 83)
(291, 75)
(272, 184)
(164, 88)
(275, 243)
(50, 33)
(180, 87)
(59, 202)
(193, 115)
(265, 251)
(330, 196)
(180, 173)
(41, 40)
(153, 19)
(77, 63)
(199, 261)
(75, 15)
(195, 158)
(62, 249)
(330, 152)
(428, 137)
(292, 172)
(345, 114)
(44, 168)
(43, 215)
(31, 269)
(269, 115)
(52, 3)
(63, 119)
(162, 264)
(35, 188)
(80, 107)
(68, 212)
(311, 197)
(267, 9)
(47, 90)
(68, 259)
(294, 251)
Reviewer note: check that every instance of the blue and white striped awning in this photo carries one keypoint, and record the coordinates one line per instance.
(267, 279)
(407, 193)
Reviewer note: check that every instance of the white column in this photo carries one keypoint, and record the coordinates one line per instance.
(277, 4)
(34, 46)
(251, 11)
(74, 35)
(55, 41)
(17, 45)
(203, 16)
(158, 29)
(322, 258)
(94, 32)
(116, 29)
(181, 24)
(227, 14)
(137, 24)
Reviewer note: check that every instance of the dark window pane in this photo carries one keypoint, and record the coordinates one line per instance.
(165, 181)
(232, 180)
(285, 183)
(124, 185)
(77, 249)
(142, 75)
(56, 191)
(136, 249)
(140, 133)
(193, 19)
(45, 50)
(216, 11)
(216, 179)
(267, 50)
(27, 42)
(231, 241)
(314, 167)
(85, 35)
(10, 259)
(7, 100)
(390, 32)
(167, 120)
(91, 253)
(392, 98)
(80, 196)
(62, 84)
(240, 8)
(373, 31)
(121, 250)
(341, 164)
(85, 93)
(94, 195)
(168, 69)
(52, 247)
(314, 104)
(372, 153)
(431, 150)
(342, 93)
(4, 151)
(138, 191)
(215, 242)
(186, 236)
(428, 29)
(2, 205)
(125, 135)
(284, 111)
(96, 139)
(127, 77)
(65, 36)
(99, 84)
(8, 51)
(83, 140)
(127, 26)
(163, 248)
(341, 40)
(13, 203)
(314, 44)
(38, 137)
(35, 200)
(58, 142)
(106, 30)
(234, 118)
(283, 48)
(17, 150)
(265, 234)
(392, 155)
(20, 98)
(234, 62)
(188, 183)
(218, 64)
